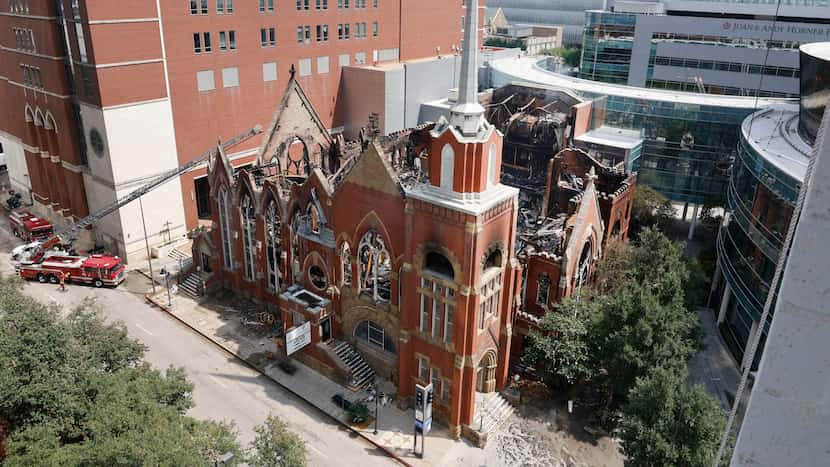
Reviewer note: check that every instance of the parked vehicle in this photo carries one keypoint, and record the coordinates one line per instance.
(14, 201)
(29, 227)
(98, 270)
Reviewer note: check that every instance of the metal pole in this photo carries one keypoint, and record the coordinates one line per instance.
(147, 245)
(167, 283)
(377, 396)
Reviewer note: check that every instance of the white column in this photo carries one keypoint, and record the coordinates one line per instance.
(724, 302)
(752, 331)
(694, 222)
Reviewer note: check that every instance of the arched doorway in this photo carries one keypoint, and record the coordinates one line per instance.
(486, 372)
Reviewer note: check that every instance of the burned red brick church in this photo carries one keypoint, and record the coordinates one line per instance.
(405, 252)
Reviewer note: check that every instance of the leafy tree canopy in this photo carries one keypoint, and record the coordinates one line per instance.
(275, 445)
(559, 350)
(634, 318)
(74, 391)
(665, 422)
(651, 208)
(571, 55)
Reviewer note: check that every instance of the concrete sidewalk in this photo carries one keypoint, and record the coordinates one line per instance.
(395, 426)
(714, 367)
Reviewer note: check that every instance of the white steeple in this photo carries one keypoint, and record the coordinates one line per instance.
(468, 115)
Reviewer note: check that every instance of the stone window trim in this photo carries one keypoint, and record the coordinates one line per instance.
(445, 394)
(421, 362)
(425, 330)
(487, 310)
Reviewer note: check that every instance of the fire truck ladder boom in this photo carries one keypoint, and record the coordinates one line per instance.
(68, 234)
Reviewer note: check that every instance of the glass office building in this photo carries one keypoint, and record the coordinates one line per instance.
(762, 192)
(690, 140)
(716, 47)
(606, 46)
(774, 151)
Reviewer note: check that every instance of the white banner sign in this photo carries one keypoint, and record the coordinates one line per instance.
(297, 337)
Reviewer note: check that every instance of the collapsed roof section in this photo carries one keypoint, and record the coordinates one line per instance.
(297, 146)
(570, 173)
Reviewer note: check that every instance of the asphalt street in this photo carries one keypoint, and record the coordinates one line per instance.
(225, 389)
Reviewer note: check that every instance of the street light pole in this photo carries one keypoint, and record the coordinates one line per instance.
(147, 245)
(167, 284)
(377, 396)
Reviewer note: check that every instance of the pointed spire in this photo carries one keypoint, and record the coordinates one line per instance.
(467, 115)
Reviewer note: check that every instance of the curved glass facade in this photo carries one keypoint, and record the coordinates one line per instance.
(606, 46)
(689, 143)
(815, 88)
(760, 201)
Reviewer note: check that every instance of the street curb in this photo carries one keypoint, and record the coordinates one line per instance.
(250, 365)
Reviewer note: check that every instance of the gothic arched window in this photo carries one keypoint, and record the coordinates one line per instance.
(248, 217)
(345, 263)
(375, 266)
(225, 227)
(272, 239)
(543, 289)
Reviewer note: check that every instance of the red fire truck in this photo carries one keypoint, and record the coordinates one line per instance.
(98, 270)
(29, 227)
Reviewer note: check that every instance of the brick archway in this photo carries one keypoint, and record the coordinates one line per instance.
(486, 372)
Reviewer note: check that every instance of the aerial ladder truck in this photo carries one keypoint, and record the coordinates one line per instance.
(34, 253)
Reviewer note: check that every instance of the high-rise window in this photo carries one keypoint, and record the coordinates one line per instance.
(266, 5)
(232, 40)
(223, 41)
(343, 31)
(197, 42)
(375, 29)
(207, 42)
(204, 6)
(303, 34)
(268, 37)
(374, 3)
(322, 33)
(303, 4)
(321, 4)
(24, 39)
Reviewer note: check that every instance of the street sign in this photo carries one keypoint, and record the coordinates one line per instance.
(423, 427)
(297, 337)
(423, 403)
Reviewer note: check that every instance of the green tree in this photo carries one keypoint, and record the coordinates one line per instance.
(559, 350)
(74, 391)
(571, 55)
(667, 423)
(639, 318)
(275, 445)
(505, 42)
(650, 208)
(633, 332)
